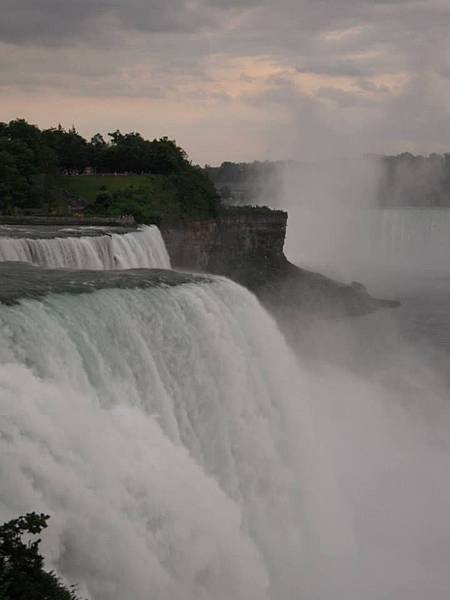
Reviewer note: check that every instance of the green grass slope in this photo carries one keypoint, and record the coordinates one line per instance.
(86, 187)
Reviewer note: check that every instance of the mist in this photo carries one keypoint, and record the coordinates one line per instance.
(379, 384)
(247, 464)
(387, 440)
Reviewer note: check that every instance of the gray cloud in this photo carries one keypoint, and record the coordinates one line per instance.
(379, 66)
(60, 22)
(44, 20)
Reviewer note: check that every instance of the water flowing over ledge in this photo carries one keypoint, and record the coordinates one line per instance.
(164, 430)
(19, 281)
(85, 248)
(246, 247)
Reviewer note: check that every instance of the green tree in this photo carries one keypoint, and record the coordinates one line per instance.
(14, 187)
(22, 574)
(164, 157)
(17, 169)
(103, 203)
(71, 148)
(196, 195)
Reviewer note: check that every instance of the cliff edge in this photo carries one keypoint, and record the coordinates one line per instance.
(246, 245)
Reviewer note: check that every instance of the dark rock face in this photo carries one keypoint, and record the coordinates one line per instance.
(240, 247)
(248, 248)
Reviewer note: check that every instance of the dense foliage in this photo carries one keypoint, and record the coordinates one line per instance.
(40, 173)
(22, 573)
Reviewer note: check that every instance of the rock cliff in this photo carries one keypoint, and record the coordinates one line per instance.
(242, 245)
(246, 245)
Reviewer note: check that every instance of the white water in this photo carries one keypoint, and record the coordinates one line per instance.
(167, 433)
(143, 248)
(358, 243)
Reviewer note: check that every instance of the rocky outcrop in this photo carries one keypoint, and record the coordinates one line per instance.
(242, 245)
(246, 245)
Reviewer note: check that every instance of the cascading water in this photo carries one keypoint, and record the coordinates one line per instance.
(166, 432)
(142, 248)
(184, 454)
(353, 241)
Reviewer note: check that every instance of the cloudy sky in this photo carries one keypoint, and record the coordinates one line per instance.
(235, 79)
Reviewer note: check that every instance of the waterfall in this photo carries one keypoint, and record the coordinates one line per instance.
(352, 244)
(165, 431)
(142, 248)
(183, 452)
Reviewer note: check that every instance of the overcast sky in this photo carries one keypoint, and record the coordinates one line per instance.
(235, 79)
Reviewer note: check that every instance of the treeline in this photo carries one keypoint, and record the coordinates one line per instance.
(247, 183)
(409, 180)
(241, 172)
(404, 180)
(35, 165)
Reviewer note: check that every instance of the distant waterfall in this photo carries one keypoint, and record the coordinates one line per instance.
(142, 248)
(348, 243)
(167, 433)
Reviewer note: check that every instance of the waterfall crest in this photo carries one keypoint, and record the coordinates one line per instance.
(142, 248)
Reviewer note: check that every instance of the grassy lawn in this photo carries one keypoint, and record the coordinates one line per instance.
(149, 198)
(88, 186)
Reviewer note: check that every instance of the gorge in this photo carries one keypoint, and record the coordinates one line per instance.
(183, 449)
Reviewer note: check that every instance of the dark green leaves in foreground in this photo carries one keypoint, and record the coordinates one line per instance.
(22, 573)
